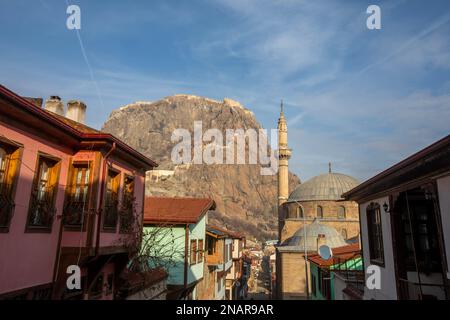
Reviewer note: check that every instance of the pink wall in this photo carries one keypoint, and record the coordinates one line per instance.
(27, 259)
(116, 239)
(107, 239)
(77, 238)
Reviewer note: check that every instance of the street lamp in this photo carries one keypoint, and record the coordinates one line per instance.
(305, 250)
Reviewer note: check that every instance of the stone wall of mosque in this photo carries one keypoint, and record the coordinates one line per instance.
(341, 215)
(292, 276)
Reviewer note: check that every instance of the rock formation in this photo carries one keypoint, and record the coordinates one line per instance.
(246, 200)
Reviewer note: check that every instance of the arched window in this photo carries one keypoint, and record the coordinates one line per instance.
(341, 212)
(319, 212)
(292, 212)
(344, 233)
(300, 212)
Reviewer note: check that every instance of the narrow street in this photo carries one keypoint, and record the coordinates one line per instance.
(259, 282)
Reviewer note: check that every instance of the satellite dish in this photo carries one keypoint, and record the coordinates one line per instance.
(325, 252)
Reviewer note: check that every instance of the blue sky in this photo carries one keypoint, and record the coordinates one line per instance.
(362, 99)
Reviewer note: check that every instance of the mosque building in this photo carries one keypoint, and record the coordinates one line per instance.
(312, 215)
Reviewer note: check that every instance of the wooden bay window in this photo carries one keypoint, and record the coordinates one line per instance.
(77, 196)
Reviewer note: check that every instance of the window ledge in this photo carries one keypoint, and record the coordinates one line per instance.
(32, 229)
(379, 263)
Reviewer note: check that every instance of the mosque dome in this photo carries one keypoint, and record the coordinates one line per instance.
(333, 238)
(328, 186)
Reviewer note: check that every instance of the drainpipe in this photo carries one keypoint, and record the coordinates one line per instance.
(186, 253)
(305, 253)
(102, 191)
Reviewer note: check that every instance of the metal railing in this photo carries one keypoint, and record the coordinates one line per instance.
(411, 290)
(6, 204)
(111, 211)
(75, 212)
(42, 209)
(353, 278)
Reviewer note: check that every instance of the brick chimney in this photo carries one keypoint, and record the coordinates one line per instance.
(321, 240)
(76, 111)
(55, 105)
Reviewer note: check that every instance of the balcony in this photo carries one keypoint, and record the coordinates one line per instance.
(6, 205)
(42, 209)
(214, 259)
(355, 280)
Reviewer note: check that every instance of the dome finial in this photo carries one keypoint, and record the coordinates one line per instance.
(329, 167)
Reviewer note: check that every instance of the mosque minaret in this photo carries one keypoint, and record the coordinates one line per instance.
(284, 154)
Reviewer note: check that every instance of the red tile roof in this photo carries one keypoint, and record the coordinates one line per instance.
(76, 125)
(340, 255)
(176, 210)
(231, 234)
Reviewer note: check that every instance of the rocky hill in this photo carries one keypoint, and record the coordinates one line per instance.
(246, 200)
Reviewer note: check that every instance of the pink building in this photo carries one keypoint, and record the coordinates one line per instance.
(69, 195)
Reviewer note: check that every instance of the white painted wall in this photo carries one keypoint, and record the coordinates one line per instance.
(388, 289)
(339, 286)
(219, 289)
(229, 262)
(444, 203)
(236, 252)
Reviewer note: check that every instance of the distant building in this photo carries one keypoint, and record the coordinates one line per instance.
(177, 227)
(292, 268)
(269, 243)
(315, 202)
(321, 198)
(70, 196)
(236, 281)
(219, 261)
(405, 225)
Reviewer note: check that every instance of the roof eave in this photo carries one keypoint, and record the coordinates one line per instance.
(358, 192)
(39, 112)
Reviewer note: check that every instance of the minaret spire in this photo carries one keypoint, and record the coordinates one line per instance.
(284, 153)
(329, 167)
